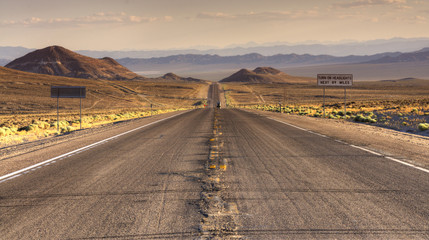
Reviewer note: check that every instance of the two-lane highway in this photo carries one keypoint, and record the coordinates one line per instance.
(213, 95)
(276, 182)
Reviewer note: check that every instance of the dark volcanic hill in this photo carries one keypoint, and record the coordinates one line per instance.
(263, 75)
(58, 61)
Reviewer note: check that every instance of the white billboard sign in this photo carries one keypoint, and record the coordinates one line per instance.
(335, 80)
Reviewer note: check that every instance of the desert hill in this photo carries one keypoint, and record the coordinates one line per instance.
(267, 70)
(245, 75)
(175, 78)
(264, 75)
(29, 93)
(58, 61)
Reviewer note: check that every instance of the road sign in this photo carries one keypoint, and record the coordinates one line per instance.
(68, 92)
(335, 80)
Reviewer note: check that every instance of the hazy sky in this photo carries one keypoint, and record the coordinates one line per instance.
(175, 24)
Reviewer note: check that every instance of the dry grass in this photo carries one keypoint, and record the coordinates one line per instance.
(16, 129)
(402, 105)
(22, 92)
(249, 94)
(25, 101)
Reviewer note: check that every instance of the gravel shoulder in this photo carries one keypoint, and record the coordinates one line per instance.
(16, 157)
(407, 147)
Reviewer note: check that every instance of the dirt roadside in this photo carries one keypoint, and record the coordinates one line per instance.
(407, 147)
(16, 157)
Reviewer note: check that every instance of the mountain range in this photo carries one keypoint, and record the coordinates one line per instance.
(215, 67)
(419, 56)
(335, 49)
(191, 63)
(278, 59)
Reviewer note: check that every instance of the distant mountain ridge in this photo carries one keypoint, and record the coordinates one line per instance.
(3, 62)
(335, 49)
(419, 56)
(9, 53)
(192, 63)
(290, 59)
(201, 66)
(58, 61)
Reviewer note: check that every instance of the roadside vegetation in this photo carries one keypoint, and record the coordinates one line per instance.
(23, 128)
(402, 105)
(27, 112)
(402, 117)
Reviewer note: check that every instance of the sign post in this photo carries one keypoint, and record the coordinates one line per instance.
(80, 112)
(335, 80)
(324, 102)
(68, 92)
(284, 99)
(345, 102)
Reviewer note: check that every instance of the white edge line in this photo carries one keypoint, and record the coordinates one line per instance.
(408, 164)
(366, 150)
(303, 129)
(12, 175)
(361, 148)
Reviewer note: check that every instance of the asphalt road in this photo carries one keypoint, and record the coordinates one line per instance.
(280, 183)
(213, 95)
(291, 184)
(144, 184)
